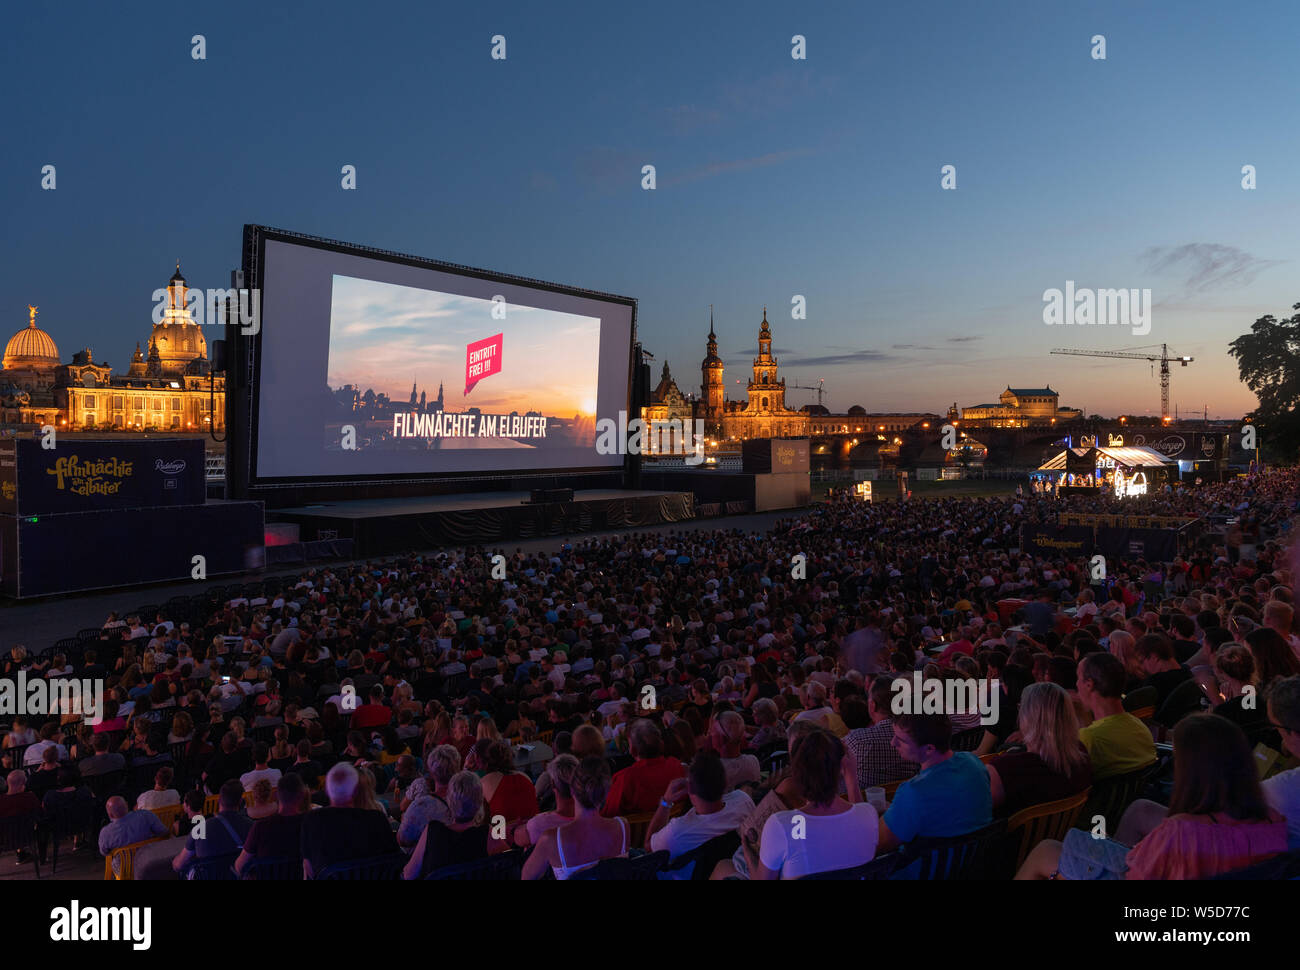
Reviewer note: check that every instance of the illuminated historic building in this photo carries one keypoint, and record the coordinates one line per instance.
(1020, 407)
(167, 391)
(668, 403)
(763, 413)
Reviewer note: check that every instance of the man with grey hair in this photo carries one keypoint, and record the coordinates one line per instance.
(639, 787)
(1283, 790)
(341, 833)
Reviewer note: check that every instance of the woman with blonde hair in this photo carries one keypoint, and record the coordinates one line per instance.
(1121, 644)
(264, 800)
(364, 797)
(1055, 764)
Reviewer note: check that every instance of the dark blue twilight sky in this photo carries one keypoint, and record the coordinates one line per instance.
(776, 177)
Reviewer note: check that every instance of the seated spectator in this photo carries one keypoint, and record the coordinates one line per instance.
(1055, 764)
(871, 739)
(50, 737)
(1163, 671)
(341, 833)
(224, 833)
(67, 795)
(125, 827)
(1234, 679)
(714, 811)
(47, 775)
(279, 835)
(1117, 742)
(637, 788)
(949, 796)
(561, 771)
(264, 804)
(426, 799)
(1217, 820)
(826, 832)
(729, 741)
(767, 717)
(261, 769)
(374, 713)
(463, 838)
(162, 794)
(510, 794)
(1283, 789)
(590, 837)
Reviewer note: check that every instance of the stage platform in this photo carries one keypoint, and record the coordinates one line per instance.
(383, 526)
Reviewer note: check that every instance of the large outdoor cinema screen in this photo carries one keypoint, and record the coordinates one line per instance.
(379, 366)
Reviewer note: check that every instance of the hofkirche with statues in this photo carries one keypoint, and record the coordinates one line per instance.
(166, 389)
(763, 412)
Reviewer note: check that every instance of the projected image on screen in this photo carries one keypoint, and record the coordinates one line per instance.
(418, 370)
(371, 365)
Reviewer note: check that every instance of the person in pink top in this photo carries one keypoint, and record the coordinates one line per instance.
(1217, 820)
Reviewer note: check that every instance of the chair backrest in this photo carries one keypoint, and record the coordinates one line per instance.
(119, 864)
(778, 761)
(168, 814)
(881, 867)
(277, 869)
(107, 784)
(967, 740)
(212, 804)
(640, 868)
(17, 832)
(707, 856)
(16, 755)
(1135, 700)
(1111, 796)
(637, 824)
(504, 866)
(957, 858)
(384, 867)
(1048, 820)
(1144, 713)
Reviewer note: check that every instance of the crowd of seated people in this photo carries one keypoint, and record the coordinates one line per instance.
(663, 694)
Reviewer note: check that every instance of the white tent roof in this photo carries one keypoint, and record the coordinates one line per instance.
(1127, 457)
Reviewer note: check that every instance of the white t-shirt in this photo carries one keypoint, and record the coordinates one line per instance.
(826, 842)
(1282, 792)
(741, 769)
(692, 830)
(158, 799)
(250, 778)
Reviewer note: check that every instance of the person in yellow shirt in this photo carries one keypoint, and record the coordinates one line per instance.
(1117, 742)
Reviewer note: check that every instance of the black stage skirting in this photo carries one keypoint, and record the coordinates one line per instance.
(382, 526)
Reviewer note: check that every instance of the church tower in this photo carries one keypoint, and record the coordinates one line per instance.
(766, 393)
(711, 368)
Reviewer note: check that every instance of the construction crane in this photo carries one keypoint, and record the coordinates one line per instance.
(819, 389)
(1163, 359)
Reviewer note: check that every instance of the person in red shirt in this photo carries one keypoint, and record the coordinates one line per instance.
(373, 714)
(639, 787)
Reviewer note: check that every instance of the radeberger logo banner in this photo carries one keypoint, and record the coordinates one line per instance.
(103, 477)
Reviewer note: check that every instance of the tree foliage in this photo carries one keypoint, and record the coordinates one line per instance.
(1268, 360)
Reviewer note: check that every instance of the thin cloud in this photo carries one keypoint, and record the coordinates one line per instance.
(736, 165)
(1206, 266)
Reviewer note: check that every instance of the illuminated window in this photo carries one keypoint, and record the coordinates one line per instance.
(90, 400)
(117, 402)
(90, 419)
